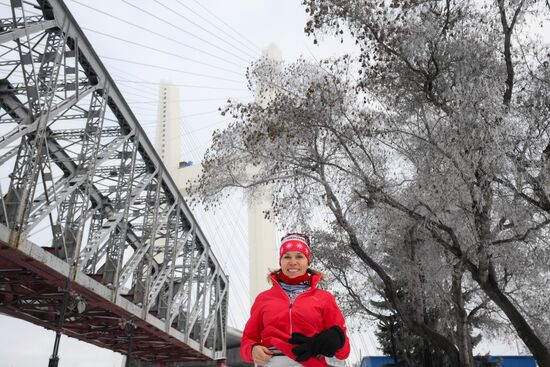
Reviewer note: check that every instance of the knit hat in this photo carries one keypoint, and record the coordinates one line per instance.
(295, 242)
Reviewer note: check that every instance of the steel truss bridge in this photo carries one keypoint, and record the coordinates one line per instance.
(96, 241)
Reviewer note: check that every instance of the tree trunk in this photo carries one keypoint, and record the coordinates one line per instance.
(427, 356)
(485, 274)
(463, 337)
(540, 351)
(437, 340)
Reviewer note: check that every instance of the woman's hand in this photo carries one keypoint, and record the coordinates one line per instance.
(261, 354)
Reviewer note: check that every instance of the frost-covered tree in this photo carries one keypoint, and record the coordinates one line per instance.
(440, 127)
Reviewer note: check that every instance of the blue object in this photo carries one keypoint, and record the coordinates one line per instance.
(515, 361)
(507, 361)
(376, 361)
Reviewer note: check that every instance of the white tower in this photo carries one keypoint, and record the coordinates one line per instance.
(168, 135)
(262, 232)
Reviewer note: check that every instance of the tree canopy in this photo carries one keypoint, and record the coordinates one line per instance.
(424, 161)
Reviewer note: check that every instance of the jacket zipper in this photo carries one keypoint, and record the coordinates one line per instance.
(291, 302)
(290, 306)
(290, 315)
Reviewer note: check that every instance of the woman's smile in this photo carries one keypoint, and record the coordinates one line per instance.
(294, 264)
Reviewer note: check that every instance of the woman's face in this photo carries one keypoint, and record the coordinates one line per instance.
(294, 264)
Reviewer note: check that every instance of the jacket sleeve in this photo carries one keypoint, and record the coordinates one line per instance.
(252, 332)
(333, 316)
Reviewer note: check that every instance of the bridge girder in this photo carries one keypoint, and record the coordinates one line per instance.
(83, 171)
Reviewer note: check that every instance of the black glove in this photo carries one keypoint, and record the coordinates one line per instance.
(327, 342)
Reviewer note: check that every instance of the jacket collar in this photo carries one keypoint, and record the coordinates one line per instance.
(315, 278)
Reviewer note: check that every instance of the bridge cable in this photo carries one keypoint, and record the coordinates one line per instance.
(218, 28)
(153, 120)
(171, 54)
(160, 67)
(155, 100)
(153, 94)
(227, 25)
(243, 236)
(205, 30)
(159, 34)
(184, 31)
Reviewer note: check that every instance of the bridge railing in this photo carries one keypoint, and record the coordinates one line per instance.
(85, 183)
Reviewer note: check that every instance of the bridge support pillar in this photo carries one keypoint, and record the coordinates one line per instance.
(129, 328)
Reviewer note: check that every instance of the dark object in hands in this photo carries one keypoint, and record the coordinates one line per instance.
(327, 342)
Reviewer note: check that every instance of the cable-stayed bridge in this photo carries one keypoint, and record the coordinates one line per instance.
(95, 238)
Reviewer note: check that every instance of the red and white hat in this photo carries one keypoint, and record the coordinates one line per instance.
(295, 242)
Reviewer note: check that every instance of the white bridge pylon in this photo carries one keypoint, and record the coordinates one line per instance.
(89, 214)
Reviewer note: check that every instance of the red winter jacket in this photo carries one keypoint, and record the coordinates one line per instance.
(273, 319)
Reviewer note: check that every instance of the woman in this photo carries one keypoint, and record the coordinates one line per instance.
(294, 322)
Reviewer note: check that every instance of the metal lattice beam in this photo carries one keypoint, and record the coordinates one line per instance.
(89, 200)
